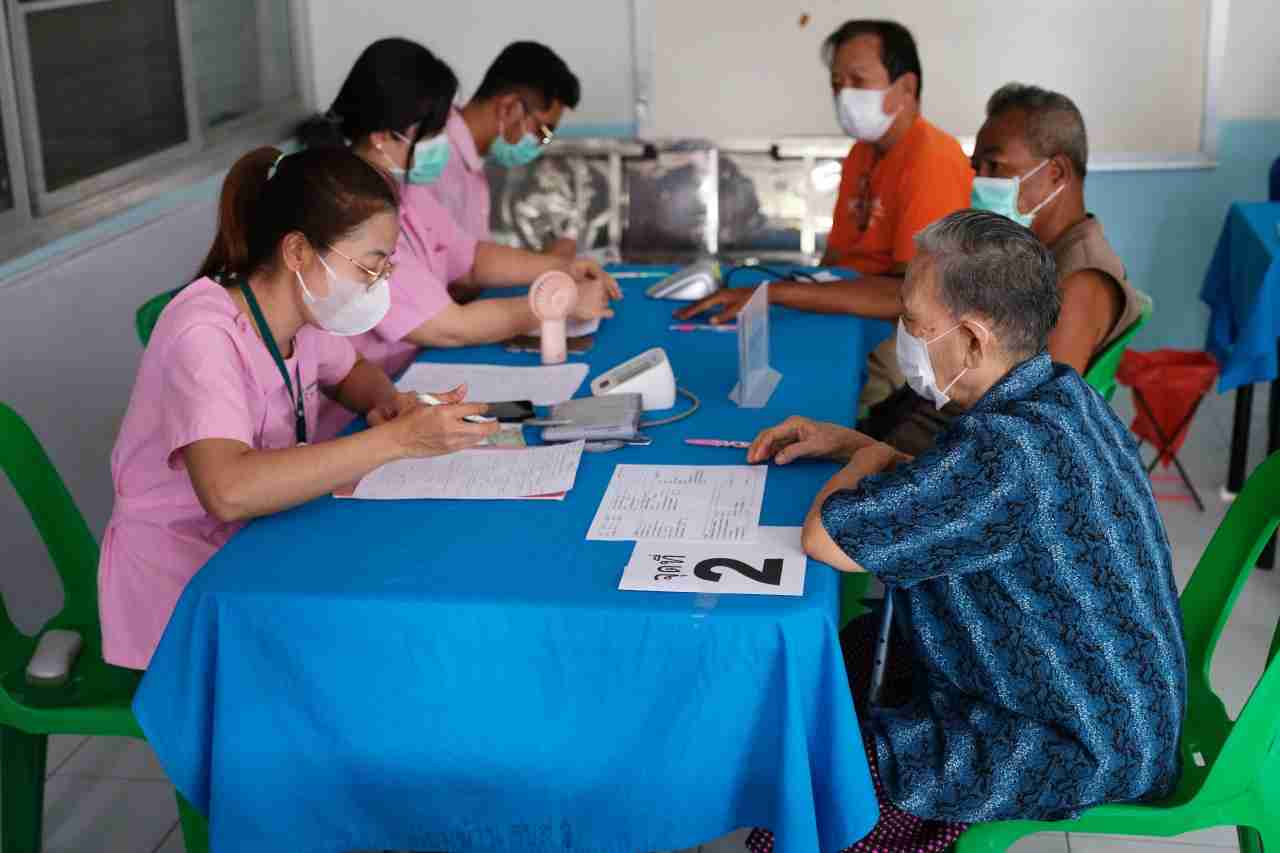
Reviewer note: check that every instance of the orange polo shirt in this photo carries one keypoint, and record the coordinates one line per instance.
(885, 200)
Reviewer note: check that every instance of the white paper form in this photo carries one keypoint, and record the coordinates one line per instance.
(773, 565)
(496, 383)
(477, 474)
(685, 503)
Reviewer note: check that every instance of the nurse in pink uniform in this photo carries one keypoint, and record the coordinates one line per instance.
(392, 109)
(229, 387)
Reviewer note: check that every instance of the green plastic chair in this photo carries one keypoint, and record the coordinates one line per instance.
(853, 595)
(1230, 768)
(149, 314)
(96, 699)
(1101, 374)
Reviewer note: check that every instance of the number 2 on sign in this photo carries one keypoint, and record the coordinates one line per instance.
(771, 574)
(671, 567)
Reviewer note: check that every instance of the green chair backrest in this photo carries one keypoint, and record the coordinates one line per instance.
(149, 314)
(1232, 753)
(1101, 374)
(70, 544)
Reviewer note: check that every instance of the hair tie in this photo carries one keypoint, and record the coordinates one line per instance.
(271, 173)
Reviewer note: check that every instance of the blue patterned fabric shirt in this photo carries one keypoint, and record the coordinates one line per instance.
(1033, 579)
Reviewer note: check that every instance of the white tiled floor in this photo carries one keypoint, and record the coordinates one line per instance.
(107, 795)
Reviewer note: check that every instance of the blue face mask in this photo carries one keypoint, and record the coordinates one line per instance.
(429, 159)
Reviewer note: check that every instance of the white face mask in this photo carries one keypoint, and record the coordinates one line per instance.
(861, 113)
(351, 308)
(917, 366)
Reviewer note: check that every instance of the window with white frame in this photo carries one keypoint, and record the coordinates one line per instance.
(97, 94)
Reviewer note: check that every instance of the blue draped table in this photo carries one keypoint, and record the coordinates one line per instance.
(465, 675)
(1242, 290)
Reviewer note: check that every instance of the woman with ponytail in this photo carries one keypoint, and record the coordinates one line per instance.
(391, 111)
(229, 387)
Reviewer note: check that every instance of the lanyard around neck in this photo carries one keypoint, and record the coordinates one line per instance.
(299, 410)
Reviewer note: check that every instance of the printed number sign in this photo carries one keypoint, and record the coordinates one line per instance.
(773, 565)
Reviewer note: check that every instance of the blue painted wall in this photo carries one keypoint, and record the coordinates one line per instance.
(1165, 225)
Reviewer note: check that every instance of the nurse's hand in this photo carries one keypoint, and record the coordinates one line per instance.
(393, 408)
(586, 270)
(404, 401)
(437, 430)
(593, 301)
(730, 301)
(803, 438)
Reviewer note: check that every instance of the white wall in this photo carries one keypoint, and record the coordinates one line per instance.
(594, 38)
(69, 351)
(1251, 79)
(1128, 68)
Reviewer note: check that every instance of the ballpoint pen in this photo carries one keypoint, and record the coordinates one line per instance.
(717, 442)
(432, 400)
(700, 327)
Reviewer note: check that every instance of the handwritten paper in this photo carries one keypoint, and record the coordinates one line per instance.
(683, 503)
(773, 565)
(495, 383)
(534, 472)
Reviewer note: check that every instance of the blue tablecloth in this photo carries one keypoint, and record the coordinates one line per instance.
(454, 675)
(1242, 290)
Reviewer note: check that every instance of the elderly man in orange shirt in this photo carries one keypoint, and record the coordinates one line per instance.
(901, 175)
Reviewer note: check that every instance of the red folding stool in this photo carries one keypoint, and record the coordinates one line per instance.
(1168, 386)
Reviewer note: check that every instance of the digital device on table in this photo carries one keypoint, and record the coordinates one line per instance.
(648, 374)
(689, 284)
(511, 411)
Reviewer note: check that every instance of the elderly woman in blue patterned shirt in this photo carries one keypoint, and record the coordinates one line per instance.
(1027, 563)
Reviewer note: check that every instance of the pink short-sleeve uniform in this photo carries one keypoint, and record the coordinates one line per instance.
(433, 235)
(205, 374)
(463, 187)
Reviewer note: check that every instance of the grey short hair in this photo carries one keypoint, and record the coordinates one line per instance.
(990, 266)
(1054, 124)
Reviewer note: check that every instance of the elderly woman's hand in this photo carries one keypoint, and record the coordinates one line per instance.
(803, 438)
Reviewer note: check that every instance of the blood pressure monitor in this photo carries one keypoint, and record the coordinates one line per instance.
(648, 374)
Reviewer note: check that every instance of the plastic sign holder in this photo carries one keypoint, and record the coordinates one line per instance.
(756, 379)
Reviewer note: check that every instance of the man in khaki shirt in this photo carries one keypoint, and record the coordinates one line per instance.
(1039, 137)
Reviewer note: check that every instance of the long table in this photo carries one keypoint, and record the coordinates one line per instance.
(455, 675)
(1242, 290)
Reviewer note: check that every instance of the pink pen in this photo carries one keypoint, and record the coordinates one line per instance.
(717, 442)
(700, 327)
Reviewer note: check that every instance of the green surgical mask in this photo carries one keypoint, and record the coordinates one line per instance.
(1000, 195)
(429, 159)
(508, 155)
